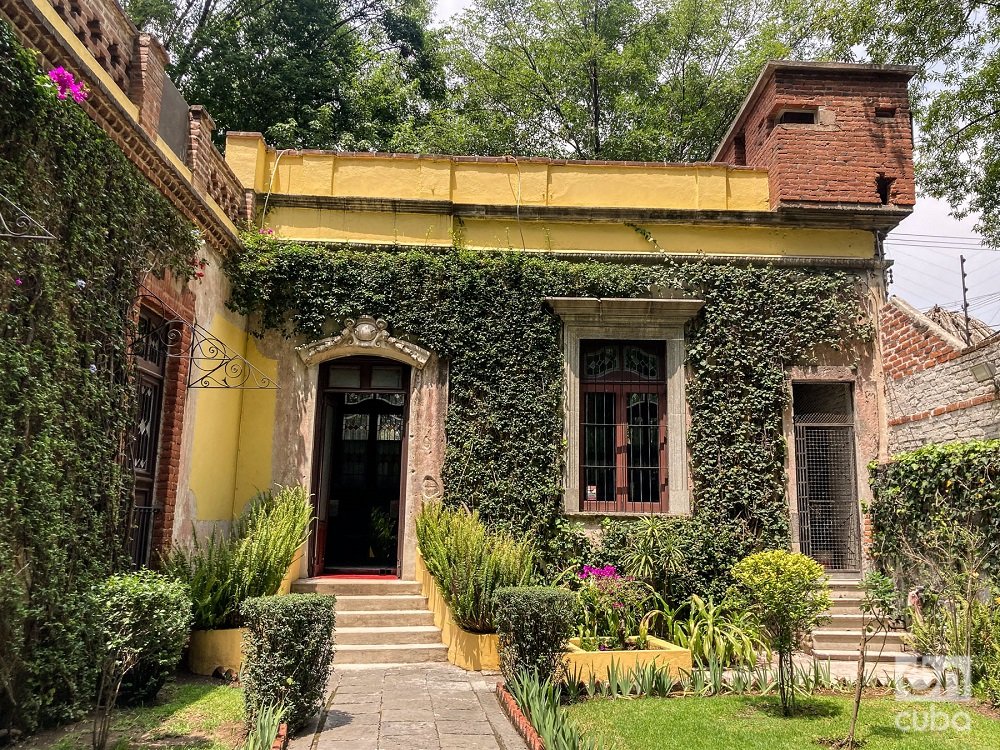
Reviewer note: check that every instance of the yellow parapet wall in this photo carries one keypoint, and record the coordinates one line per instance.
(472, 651)
(494, 181)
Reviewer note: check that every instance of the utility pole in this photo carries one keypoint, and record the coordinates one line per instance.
(965, 301)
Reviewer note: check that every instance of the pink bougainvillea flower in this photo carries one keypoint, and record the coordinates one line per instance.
(67, 85)
(18, 281)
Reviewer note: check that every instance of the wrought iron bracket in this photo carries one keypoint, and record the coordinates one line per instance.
(16, 224)
(211, 362)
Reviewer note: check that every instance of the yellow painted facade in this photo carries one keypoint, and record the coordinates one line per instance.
(434, 201)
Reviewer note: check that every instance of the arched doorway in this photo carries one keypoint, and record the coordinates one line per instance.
(360, 450)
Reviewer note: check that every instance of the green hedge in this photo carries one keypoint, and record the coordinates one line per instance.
(67, 401)
(935, 488)
(288, 653)
(534, 623)
(148, 615)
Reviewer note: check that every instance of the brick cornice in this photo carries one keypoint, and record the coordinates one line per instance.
(104, 108)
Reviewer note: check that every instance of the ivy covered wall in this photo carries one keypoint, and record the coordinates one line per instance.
(66, 395)
(484, 312)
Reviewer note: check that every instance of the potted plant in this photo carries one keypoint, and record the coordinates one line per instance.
(251, 559)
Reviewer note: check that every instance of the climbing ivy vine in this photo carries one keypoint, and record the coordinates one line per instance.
(66, 393)
(484, 312)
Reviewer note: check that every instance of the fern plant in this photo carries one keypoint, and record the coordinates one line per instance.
(470, 561)
(251, 559)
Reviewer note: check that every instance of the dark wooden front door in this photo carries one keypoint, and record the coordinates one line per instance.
(361, 440)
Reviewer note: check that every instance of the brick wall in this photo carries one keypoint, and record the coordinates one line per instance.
(931, 393)
(841, 158)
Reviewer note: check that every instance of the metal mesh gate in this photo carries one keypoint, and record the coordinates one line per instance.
(826, 479)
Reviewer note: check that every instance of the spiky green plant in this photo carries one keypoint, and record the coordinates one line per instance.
(251, 559)
(470, 561)
(540, 701)
(720, 631)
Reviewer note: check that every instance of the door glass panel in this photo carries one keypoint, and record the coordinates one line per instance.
(599, 447)
(345, 377)
(387, 377)
(390, 427)
(601, 361)
(643, 448)
(355, 427)
(642, 362)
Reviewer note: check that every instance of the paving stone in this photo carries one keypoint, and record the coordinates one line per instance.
(468, 742)
(464, 727)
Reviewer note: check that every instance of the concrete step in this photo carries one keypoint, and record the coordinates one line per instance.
(846, 605)
(376, 618)
(398, 653)
(841, 640)
(355, 586)
(847, 655)
(844, 621)
(394, 602)
(387, 635)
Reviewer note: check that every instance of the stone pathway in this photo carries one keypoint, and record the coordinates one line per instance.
(410, 707)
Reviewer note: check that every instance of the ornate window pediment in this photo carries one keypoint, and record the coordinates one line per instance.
(364, 336)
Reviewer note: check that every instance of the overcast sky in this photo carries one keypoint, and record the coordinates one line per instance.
(925, 247)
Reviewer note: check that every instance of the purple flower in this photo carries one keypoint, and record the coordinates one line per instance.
(68, 87)
(590, 571)
(18, 281)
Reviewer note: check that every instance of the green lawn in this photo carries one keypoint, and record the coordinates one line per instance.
(755, 723)
(192, 714)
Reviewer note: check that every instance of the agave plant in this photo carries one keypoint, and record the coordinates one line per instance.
(711, 631)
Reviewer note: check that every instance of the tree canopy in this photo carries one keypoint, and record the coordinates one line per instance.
(306, 73)
(610, 79)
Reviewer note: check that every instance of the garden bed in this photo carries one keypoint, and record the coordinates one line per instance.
(582, 664)
(475, 652)
(756, 723)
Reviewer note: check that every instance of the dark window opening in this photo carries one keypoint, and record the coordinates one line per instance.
(883, 185)
(623, 421)
(151, 363)
(798, 117)
(885, 113)
(826, 474)
(740, 150)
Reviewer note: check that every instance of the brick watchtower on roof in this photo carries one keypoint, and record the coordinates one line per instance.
(831, 135)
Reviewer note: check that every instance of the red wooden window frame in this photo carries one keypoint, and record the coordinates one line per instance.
(619, 386)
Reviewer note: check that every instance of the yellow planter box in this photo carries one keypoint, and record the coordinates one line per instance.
(473, 651)
(214, 649)
(582, 664)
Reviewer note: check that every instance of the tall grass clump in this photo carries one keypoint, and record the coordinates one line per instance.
(470, 561)
(251, 559)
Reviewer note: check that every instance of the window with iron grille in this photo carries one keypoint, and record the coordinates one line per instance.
(150, 359)
(623, 420)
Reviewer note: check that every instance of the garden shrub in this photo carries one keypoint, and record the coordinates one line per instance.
(930, 490)
(540, 700)
(146, 618)
(67, 396)
(149, 614)
(722, 633)
(533, 623)
(250, 560)
(470, 562)
(612, 606)
(788, 595)
(287, 655)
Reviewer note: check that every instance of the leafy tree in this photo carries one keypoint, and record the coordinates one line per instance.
(954, 42)
(316, 73)
(788, 595)
(613, 79)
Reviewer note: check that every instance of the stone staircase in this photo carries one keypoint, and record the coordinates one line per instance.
(838, 639)
(380, 622)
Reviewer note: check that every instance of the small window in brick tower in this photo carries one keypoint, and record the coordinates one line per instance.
(623, 408)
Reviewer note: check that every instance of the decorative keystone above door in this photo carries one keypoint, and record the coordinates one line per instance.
(364, 336)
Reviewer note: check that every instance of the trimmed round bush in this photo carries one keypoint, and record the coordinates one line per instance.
(533, 623)
(148, 618)
(287, 655)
